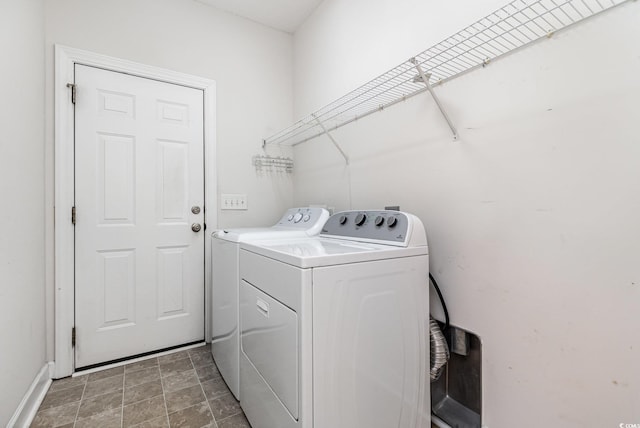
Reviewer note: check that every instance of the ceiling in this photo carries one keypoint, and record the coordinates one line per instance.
(284, 15)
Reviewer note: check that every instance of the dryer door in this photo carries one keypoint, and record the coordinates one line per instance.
(269, 339)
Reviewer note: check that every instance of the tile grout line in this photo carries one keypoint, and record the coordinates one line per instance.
(140, 423)
(84, 388)
(164, 396)
(124, 376)
(84, 397)
(40, 409)
(204, 393)
(231, 416)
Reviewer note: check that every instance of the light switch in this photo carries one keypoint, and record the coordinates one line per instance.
(231, 201)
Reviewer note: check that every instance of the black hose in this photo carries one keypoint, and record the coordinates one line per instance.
(444, 305)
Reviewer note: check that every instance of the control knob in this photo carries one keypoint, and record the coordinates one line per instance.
(343, 219)
(297, 218)
(360, 219)
(379, 221)
(392, 221)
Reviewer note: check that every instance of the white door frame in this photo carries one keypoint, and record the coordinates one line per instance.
(64, 295)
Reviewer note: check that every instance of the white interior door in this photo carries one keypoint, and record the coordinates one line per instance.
(139, 171)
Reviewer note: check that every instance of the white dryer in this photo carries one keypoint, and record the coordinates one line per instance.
(296, 222)
(334, 329)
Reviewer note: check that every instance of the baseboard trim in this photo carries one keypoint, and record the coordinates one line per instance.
(26, 411)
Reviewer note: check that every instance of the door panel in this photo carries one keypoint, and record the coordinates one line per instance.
(171, 286)
(139, 170)
(116, 179)
(173, 181)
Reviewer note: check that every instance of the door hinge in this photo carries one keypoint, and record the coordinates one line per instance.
(73, 336)
(73, 215)
(73, 92)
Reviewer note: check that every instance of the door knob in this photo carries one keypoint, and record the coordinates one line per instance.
(195, 209)
(196, 227)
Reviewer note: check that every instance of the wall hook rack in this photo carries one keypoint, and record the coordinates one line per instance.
(272, 164)
(512, 27)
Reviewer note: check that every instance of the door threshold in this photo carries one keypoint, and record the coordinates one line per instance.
(124, 362)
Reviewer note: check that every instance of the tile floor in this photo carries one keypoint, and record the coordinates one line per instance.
(183, 389)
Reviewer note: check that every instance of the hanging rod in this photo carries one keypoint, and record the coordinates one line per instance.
(518, 24)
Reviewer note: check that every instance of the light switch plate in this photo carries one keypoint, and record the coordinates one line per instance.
(233, 201)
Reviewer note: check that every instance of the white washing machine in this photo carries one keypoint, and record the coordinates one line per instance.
(296, 222)
(334, 329)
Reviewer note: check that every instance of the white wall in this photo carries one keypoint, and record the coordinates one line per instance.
(250, 63)
(532, 216)
(22, 290)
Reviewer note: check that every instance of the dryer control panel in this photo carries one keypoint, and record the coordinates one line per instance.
(387, 227)
(303, 218)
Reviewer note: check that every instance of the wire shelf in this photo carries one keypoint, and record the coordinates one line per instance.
(511, 27)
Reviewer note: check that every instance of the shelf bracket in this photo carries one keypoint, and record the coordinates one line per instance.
(425, 79)
(335, 143)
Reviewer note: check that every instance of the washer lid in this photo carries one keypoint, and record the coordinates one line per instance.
(259, 233)
(295, 222)
(320, 251)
